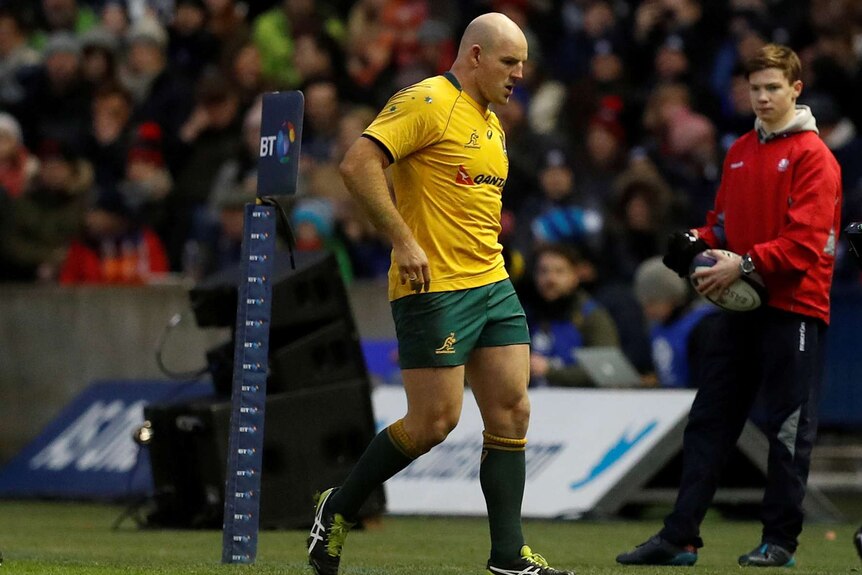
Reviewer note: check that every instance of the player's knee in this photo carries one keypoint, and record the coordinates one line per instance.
(519, 412)
(509, 419)
(430, 426)
(433, 431)
(439, 429)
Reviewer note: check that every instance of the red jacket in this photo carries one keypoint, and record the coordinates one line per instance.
(134, 261)
(780, 202)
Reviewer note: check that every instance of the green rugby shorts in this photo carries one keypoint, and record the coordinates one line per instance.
(441, 329)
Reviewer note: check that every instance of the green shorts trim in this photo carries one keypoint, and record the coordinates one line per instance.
(441, 329)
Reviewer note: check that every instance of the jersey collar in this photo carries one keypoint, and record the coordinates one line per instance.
(451, 77)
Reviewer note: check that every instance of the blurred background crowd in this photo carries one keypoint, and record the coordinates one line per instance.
(129, 134)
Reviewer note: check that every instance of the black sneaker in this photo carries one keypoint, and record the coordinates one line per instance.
(857, 541)
(327, 537)
(767, 555)
(658, 551)
(528, 563)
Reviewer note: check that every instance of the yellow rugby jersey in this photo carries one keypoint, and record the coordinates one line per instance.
(449, 168)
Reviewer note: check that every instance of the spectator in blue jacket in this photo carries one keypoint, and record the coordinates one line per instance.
(679, 325)
(562, 317)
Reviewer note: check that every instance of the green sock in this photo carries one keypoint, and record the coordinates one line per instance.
(502, 474)
(382, 459)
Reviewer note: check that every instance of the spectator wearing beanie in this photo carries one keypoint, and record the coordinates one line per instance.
(99, 49)
(605, 152)
(558, 211)
(679, 323)
(147, 180)
(161, 94)
(314, 227)
(67, 16)
(56, 100)
(218, 238)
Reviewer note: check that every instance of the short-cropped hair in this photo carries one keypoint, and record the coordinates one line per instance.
(776, 56)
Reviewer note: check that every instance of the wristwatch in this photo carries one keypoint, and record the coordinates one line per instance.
(746, 266)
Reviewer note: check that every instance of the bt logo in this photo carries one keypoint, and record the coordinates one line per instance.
(279, 145)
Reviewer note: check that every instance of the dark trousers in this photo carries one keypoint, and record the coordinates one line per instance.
(780, 353)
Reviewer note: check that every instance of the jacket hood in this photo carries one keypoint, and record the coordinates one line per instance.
(803, 121)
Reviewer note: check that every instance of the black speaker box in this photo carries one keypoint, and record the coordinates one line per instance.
(314, 292)
(326, 353)
(312, 439)
(329, 353)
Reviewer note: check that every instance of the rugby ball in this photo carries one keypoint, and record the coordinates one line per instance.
(745, 294)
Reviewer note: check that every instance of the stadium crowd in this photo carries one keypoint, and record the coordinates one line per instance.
(129, 129)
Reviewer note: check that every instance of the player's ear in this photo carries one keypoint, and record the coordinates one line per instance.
(475, 53)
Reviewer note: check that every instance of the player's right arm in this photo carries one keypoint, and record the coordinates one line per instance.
(362, 170)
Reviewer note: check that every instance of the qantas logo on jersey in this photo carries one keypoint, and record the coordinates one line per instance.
(463, 178)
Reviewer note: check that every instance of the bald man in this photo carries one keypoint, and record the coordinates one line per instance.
(456, 314)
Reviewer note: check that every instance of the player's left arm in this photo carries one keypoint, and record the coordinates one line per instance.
(809, 228)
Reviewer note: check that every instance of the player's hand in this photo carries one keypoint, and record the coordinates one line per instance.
(412, 265)
(714, 280)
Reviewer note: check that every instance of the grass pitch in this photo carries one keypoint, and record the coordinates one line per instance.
(42, 538)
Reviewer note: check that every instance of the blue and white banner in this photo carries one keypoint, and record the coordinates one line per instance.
(88, 452)
(581, 443)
